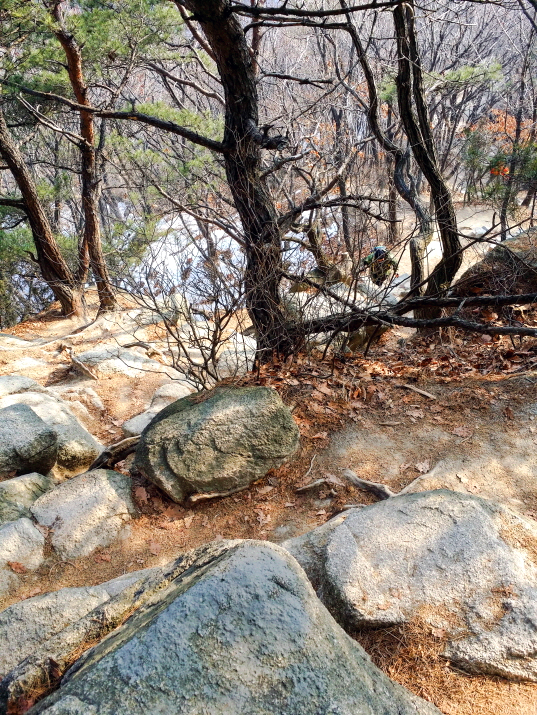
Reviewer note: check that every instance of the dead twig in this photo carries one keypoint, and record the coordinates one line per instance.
(312, 485)
(420, 392)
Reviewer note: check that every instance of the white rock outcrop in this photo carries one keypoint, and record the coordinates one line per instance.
(22, 544)
(87, 512)
(465, 565)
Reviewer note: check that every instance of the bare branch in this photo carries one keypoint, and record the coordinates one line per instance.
(133, 116)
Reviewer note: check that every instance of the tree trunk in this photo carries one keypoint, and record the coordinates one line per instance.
(90, 249)
(417, 127)
(408, 191)
(54, 269)
(243, 142)
(337, 116)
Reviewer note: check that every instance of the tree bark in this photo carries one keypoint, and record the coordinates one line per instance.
(407, 191)
(242, 156)
(90, 247)
(415, 118)
(54, 269)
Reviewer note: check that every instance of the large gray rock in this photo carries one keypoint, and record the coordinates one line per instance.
(164, 396)
(511, 264)
(241, 632)
(219, 444)
(77, 448)
(27, 443)
(14, 384)
(18, 494)
(25, 625)
(20, 543)
(465, 565)
(86, 512)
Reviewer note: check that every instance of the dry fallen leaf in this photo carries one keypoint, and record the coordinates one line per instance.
(173, 511)
(32, 593)
(438, 632)
(320, 435)
(140, 494)
(265, 490)
(415, 413)
(154, 548)
(188, 520)
(423, 467)
(102, 557)
(17, 567)
(325, 390)
(508, 412)
(462, 431)
(262, 518)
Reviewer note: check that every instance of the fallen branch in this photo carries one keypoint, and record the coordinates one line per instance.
(205, 496)
(420, 392)
(355, 319)
(115, 453)
(379, 490)
(311, 485)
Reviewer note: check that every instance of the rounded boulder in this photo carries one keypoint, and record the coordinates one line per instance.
(216, 442)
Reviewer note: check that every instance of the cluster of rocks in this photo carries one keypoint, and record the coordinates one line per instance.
(75, 518)
(38, 432)
(47, 498)
(239, 626)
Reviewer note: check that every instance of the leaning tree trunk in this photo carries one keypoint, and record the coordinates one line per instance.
(90, 249)
(243, 143)
(52, 265)
(415, 118)
(408, 192)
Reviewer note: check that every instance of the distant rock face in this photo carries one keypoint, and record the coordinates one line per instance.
(86, 512)
(237, 356)
(18, 494)
(21, 544)
(27, 443)
(26, 625)
(507, 268)
(76, 447)
(239, 631)
(164, 396)
(463, 564)
(111, 360)
(217, 444)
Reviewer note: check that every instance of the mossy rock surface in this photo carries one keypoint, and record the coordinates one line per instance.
(216, 442)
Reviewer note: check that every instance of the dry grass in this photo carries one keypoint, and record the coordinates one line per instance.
(411, 655)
